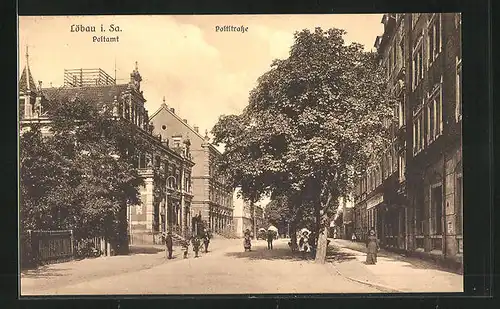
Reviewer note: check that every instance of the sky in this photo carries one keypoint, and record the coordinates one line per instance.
(201, 73)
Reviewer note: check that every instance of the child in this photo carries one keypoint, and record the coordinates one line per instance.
(196, 245)
(185, 248)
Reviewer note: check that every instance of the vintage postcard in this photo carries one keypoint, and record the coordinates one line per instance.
(240, 154)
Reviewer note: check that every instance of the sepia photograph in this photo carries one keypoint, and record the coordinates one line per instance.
(240, 154)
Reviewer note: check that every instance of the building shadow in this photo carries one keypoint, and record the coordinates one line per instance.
(145, 250)
(44, 272)
(269, 255)
(334, 255)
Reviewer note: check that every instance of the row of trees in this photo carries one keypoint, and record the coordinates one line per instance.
(312, 124)
(81, 175)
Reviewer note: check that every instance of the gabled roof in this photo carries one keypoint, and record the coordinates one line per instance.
(164, 107)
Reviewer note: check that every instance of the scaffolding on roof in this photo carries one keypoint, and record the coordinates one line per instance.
(87, 77)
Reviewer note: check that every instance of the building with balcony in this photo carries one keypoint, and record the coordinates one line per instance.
(212, 196)
(413, 195)
(166, 169)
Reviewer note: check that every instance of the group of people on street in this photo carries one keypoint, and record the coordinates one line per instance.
(307, 243)
(270, 235)
(195, 241)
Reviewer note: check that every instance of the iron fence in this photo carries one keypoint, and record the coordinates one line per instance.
(40, 247)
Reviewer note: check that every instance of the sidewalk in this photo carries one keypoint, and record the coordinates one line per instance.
(393, 272)
(77, 271)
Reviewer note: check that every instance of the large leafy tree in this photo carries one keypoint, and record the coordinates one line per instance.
(311, 126)
(81, 176)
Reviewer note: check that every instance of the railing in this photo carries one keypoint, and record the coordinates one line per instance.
(39, 247)
(419, 241)
(437, 242)
(44, 247)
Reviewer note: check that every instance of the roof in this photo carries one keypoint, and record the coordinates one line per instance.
(165, 108)
(26, 81)
(101, 95)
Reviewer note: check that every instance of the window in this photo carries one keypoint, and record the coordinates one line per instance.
(394, 51)
(401, 51)
(401, 110)
(389, 160)
(436, 201)
(418, 136)
(417, 63)
(402, 166)
(434, 115)
(142, 160)
(458, 106)
(434, 37)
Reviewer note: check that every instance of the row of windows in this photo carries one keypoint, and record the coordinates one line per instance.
(431, 216)
(144, 161)
(377, 174)
(428, 121)
(220, 197)
(433, 43)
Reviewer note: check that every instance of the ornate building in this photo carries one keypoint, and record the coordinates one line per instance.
(413, 196)
(212, 197)
(166, 169)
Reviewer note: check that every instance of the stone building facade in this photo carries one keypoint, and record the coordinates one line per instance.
(244, 217)
(166, 193)
(212, 196)
(413, 197)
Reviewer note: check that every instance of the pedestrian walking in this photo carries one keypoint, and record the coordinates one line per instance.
(353, 237)
(206, 240)
(169, 245)
(372, 246)
(247, 242)
(270, 238)
(185, 248)
(196, 245)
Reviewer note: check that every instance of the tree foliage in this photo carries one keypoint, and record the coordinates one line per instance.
(81, 175)
(312, 124)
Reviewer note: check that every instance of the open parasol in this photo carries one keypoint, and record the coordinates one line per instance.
(273, 228)
(304, 230)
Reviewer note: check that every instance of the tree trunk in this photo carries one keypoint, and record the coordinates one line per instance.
(322, 244)
(293, 234)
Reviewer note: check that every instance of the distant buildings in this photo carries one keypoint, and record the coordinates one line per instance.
(212, 195)
(413, 196)
(166, 169)
(244, 216)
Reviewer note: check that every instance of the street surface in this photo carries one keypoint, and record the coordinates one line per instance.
(227, 269)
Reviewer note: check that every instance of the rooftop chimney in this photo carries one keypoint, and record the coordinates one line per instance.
(197, 129)
(172, 110)
(185, 120)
